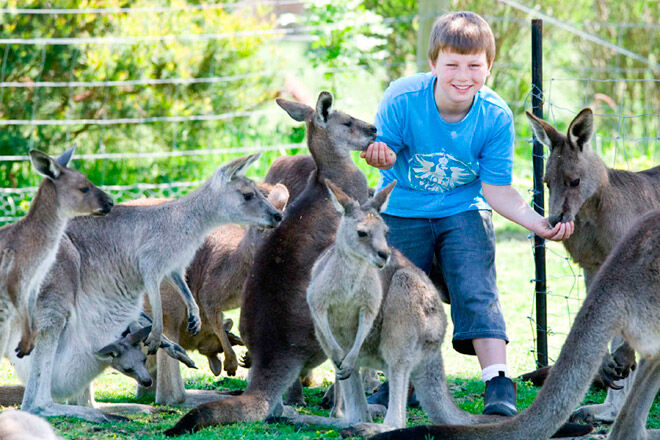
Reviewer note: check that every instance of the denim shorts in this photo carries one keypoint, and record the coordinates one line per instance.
(464, 245)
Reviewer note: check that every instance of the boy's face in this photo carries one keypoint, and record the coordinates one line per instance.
(459, 77)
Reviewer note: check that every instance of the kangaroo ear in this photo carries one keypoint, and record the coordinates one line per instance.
(138, 336)
(379, 201)
(299, 112)
(279, 196)
(65, 158)
(544, 132)
(109, 351)
(323, 107)
(581, 128)
(44, 164)
(341, 201)
(237, 167)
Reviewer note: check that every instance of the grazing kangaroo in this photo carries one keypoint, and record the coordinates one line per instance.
(96, 286)
(21, 425)
(275, 323)
(624, 298)
(216, 276)
(63, 194)
(604, 203)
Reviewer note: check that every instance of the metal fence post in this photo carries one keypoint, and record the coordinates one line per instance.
(539, 205)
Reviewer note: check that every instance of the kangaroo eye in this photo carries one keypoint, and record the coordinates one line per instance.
(84, 189)
(348, 123)
(575, 183)
(361, 234)
(128, 370)
(248, 196)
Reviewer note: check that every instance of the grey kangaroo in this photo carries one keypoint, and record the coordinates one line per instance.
(345, 296)
(216, 276)
(63, 194)
(96, 286)
(604, 203)
(624, 298)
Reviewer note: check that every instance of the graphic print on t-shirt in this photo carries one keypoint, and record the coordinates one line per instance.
(440, 172)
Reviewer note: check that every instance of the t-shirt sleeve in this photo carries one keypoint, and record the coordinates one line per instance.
(389, 122)
(496, 157)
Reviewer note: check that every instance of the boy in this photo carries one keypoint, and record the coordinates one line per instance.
(448, 140)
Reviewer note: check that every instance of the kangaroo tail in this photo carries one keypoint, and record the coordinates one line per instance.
(601, 316)
(440, 432)
(243, 408)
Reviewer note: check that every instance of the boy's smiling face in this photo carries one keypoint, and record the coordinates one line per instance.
(460, 76)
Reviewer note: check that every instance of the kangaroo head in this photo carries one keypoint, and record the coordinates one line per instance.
(570, 172)
(74, 192)
(125, 355)
(237, 199)
(329, 129)
(362, 231)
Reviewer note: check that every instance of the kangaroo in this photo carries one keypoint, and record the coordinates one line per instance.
(345, 295)
(604, 203)
(624, 298)
(216, 277)
(275, 323)
(96, 286)
(63, 194)
(21, 425)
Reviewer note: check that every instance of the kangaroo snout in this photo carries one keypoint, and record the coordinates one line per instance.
(382, 258)
(145, 381)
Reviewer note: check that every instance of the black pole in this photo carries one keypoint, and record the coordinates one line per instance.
(539, 205)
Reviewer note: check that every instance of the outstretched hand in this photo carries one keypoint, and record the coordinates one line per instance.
(379, 155)
(561, 231)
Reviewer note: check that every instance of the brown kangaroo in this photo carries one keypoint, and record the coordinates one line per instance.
(63, 194)
(604, 203)
(275, 322)
(624, 298)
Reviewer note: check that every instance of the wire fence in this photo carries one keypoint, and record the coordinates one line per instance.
(155, 97)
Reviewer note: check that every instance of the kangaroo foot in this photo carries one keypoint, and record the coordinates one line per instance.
(365, 430)
(594, 414)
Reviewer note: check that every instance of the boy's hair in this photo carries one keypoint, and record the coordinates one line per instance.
(462, 32)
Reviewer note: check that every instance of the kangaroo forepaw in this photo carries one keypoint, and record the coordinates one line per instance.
(152, 343)
(24, 348)
(194, 323)
(346, 368)
(231, 364)
(246, 360)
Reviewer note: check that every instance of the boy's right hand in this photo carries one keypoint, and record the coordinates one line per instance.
(379, 155)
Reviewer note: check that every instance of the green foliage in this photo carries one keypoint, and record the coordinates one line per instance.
(166, 59)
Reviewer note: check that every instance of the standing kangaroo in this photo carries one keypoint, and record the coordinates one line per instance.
(96, 286)
(216, 277)
(275, 322)
(63, 194)
(604, 203)
(624, 298)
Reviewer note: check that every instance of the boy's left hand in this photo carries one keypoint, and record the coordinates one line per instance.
(560, 232)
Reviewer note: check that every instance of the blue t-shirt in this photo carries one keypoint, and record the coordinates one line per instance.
(440, 165)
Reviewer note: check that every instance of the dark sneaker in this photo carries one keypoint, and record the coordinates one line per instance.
(382, 395)
(500, 396)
